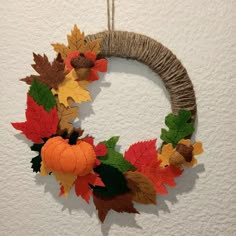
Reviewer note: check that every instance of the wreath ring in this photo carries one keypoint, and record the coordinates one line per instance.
(159, 58)
(115, 180)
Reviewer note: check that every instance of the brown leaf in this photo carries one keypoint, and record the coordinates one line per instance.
(142, 189)
(119, 203)
(49, 74)
(65, 115)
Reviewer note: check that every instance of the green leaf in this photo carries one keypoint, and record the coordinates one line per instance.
(114, 158)
(111, 143)
(42, 95)
(179, 127)
(114, 180)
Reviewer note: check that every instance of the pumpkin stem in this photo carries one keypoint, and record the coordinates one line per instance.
(73, 138)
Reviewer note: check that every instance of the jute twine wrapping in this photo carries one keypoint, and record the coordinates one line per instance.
(160, 59)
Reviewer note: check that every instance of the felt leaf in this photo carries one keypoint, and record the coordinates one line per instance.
(119, 203)
(179, 127)
(62, 49)
(82, 185)
(49, 74)
(36, 161)
(66, 115)
(70, 88)
(39, 124)
(142, 153)
(100, 150)
(76, 42)
(44, 171)
(66, 180)
(114, 180)
(42, 95)
(94, 46)
(111, 143)
(160, 176)
(114, 158)
(142, 189)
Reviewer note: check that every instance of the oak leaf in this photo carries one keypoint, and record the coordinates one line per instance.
(76, 42)
(70, 88)
(180, 127)
(119, 203)
(142, 189)
(50, 74)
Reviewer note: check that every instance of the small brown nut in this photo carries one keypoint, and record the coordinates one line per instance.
(176, 159)
(185, 151)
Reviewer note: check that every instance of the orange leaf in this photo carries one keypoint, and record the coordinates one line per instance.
(160, 176)
(82, 185)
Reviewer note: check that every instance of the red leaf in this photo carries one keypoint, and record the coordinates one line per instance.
(39, 123)
(100, 150)
(142, 153)
(119, 203)
(61, 191)
(89, 139)
(82, 185)
(160, 176)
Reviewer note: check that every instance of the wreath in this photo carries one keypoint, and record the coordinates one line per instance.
(115, 180)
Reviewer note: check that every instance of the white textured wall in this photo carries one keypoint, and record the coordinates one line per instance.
(202, 34)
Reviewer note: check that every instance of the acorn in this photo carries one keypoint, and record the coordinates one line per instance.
(82, 66)
(182, 154)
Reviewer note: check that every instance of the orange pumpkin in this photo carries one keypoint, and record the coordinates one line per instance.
(59, 155)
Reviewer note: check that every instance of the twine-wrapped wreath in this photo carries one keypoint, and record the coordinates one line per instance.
(113, 179)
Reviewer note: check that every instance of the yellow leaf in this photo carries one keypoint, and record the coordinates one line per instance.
(76, 40)
(66, 115)
(71, 89)
(43, 170)
(94, 46)
(62, 49)
(166, 153)
(197, 148)
(66, 180)
(142, 189)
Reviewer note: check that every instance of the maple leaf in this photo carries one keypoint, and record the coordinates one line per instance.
(142, 189)
(65, 116)
(119, 203)
(142, 153)
(42, 95)
(160, 176)
(49, 74)
(179, 125)
(114, 180)
(114, 158)
(70, 88)
(82, 185)
(76, 42)
(39, 124)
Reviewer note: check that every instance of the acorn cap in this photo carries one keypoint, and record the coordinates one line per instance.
(185, 151)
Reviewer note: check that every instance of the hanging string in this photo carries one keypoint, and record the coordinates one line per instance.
(110, 16)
